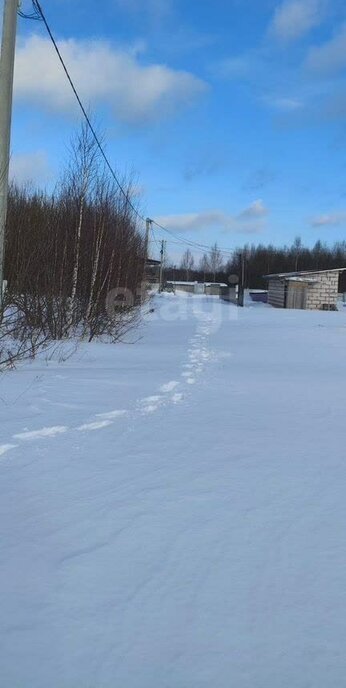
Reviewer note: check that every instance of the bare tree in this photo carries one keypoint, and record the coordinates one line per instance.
(64, 253)
(215, 261)
(297, 248)
(204, 266)
(187, 263)
(79, 187)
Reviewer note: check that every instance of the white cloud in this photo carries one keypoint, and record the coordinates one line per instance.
(30, 167)
(329, 220)
(330, 57)
(294, 18)
(257, 209)
(193, 221)
(103, 74)
(285, 104)
(248, 221)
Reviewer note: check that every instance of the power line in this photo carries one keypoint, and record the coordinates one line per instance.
(196, 248)
(193, 244)
(29, 16)
(39, 15)
(38, 8)
(33, 15)
(155, 240)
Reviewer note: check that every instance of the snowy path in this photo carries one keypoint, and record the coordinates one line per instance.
(90, 387)
(187, 527)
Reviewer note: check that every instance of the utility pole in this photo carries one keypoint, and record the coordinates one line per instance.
(241, 284)
(162, 263)
(148, 224)
(8, 47)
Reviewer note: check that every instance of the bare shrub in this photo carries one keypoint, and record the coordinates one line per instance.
(65, 252)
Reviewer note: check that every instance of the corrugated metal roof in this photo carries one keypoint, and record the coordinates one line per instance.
(302, 280)
(301, 273)
(152, 262)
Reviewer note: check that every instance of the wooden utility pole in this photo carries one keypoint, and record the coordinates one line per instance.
(8, 47)
(148, 224)
(241, 284)
(162, 263)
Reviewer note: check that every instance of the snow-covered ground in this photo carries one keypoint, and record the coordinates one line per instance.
(172, 511)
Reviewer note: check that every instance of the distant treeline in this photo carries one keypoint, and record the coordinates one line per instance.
(259, 261)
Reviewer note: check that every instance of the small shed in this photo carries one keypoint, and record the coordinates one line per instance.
(310, 290)
(208, 288)
(187, 287)
(214, 288)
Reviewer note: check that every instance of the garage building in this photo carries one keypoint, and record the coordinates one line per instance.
(311, 290)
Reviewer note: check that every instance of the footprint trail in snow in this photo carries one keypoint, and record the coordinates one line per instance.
(169, 393)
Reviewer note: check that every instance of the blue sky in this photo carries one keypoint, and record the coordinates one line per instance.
(230, 113)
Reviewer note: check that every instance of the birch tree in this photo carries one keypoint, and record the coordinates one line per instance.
(187, 263)
(215, 260)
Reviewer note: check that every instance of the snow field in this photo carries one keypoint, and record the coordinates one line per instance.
(178, 534)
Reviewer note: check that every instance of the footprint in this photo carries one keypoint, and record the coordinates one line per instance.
(97, 425)
(40, 434)
(177, 398)
(169, 386)
(151, 404)
(6, 447)
(150, 409)
(111, 414)
(150, 400)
